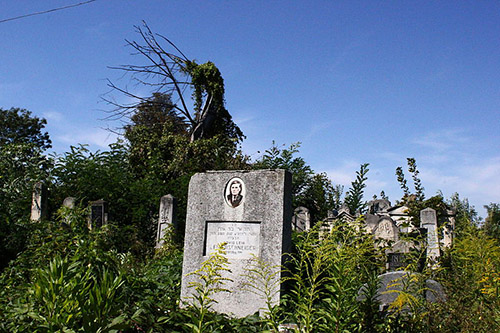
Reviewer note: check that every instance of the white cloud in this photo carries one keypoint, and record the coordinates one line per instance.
(344, 174)
(98, 137)
(443, 140)
(53, 116)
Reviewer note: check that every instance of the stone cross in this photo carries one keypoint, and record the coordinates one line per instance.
(38, 201)
(428, 220)
(166, 218)
(250, 211)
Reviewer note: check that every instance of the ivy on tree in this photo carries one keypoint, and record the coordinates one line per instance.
(173, 74)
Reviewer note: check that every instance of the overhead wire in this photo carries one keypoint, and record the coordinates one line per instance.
(46, 11)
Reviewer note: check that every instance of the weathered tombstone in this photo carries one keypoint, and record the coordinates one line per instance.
(447, 226)
(98, 214)
(396, 254)
(391, 283)
(379, 206)
(38, 201)
(301, 220)
(428, 221)
(386, 230)
(251, 212)
(166, 218)
(395, 261)
(69, 202)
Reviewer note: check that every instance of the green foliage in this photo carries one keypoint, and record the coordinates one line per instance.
(18, 126)
(209, 281)
(466, 218)
(284, 158)
(207, 82)
(471, 280)
(354, 197)
(326, 275)
(320, 196)
(314, 191)
(492, 221)
(21, 166)
(263, 280)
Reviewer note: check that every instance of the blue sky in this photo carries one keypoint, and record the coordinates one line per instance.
(353, 81)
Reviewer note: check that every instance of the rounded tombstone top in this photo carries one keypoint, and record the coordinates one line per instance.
(69, 202)
(379, 206)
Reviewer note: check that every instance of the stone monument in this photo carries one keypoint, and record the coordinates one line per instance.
(69, 202)
(38, 201)
(98, 214)
(428, 220)
(301, 220)
(393, 282)
(251, 212)
(166, 218)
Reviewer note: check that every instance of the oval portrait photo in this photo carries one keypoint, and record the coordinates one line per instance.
(235, 192)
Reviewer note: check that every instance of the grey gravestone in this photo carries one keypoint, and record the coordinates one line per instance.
(428, 220)
(301, 219)
(38, 201)
(379, 206)
(387, 230)
(69, 202)
(447, 221)
(98, 214)
(395, 261)
(392, 282)
(166, 218)
(249, 210)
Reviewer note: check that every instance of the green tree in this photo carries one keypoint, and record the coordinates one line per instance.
(319, 196)
(19, 126)
(22, 163)
(466, 216)
(284, 158)
(492, 221)
(354, 196)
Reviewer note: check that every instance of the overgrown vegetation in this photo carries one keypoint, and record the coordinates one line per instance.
(56, 275)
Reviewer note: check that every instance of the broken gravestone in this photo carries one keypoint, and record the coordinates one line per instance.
(166, 218)
(38, 201)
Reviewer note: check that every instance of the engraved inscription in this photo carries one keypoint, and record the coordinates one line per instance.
(242, 238)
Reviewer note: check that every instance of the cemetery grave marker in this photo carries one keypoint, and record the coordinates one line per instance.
(251, 212)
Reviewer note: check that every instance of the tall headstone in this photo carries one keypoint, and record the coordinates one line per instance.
(301, 220)
(447, 227)
(38, 201)
(428, 220)
(98, 214)
(251, 212)
(166, 218)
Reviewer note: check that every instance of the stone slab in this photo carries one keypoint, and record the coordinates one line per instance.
(249, 210)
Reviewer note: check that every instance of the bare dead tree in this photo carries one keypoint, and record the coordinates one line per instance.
(176, 75)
